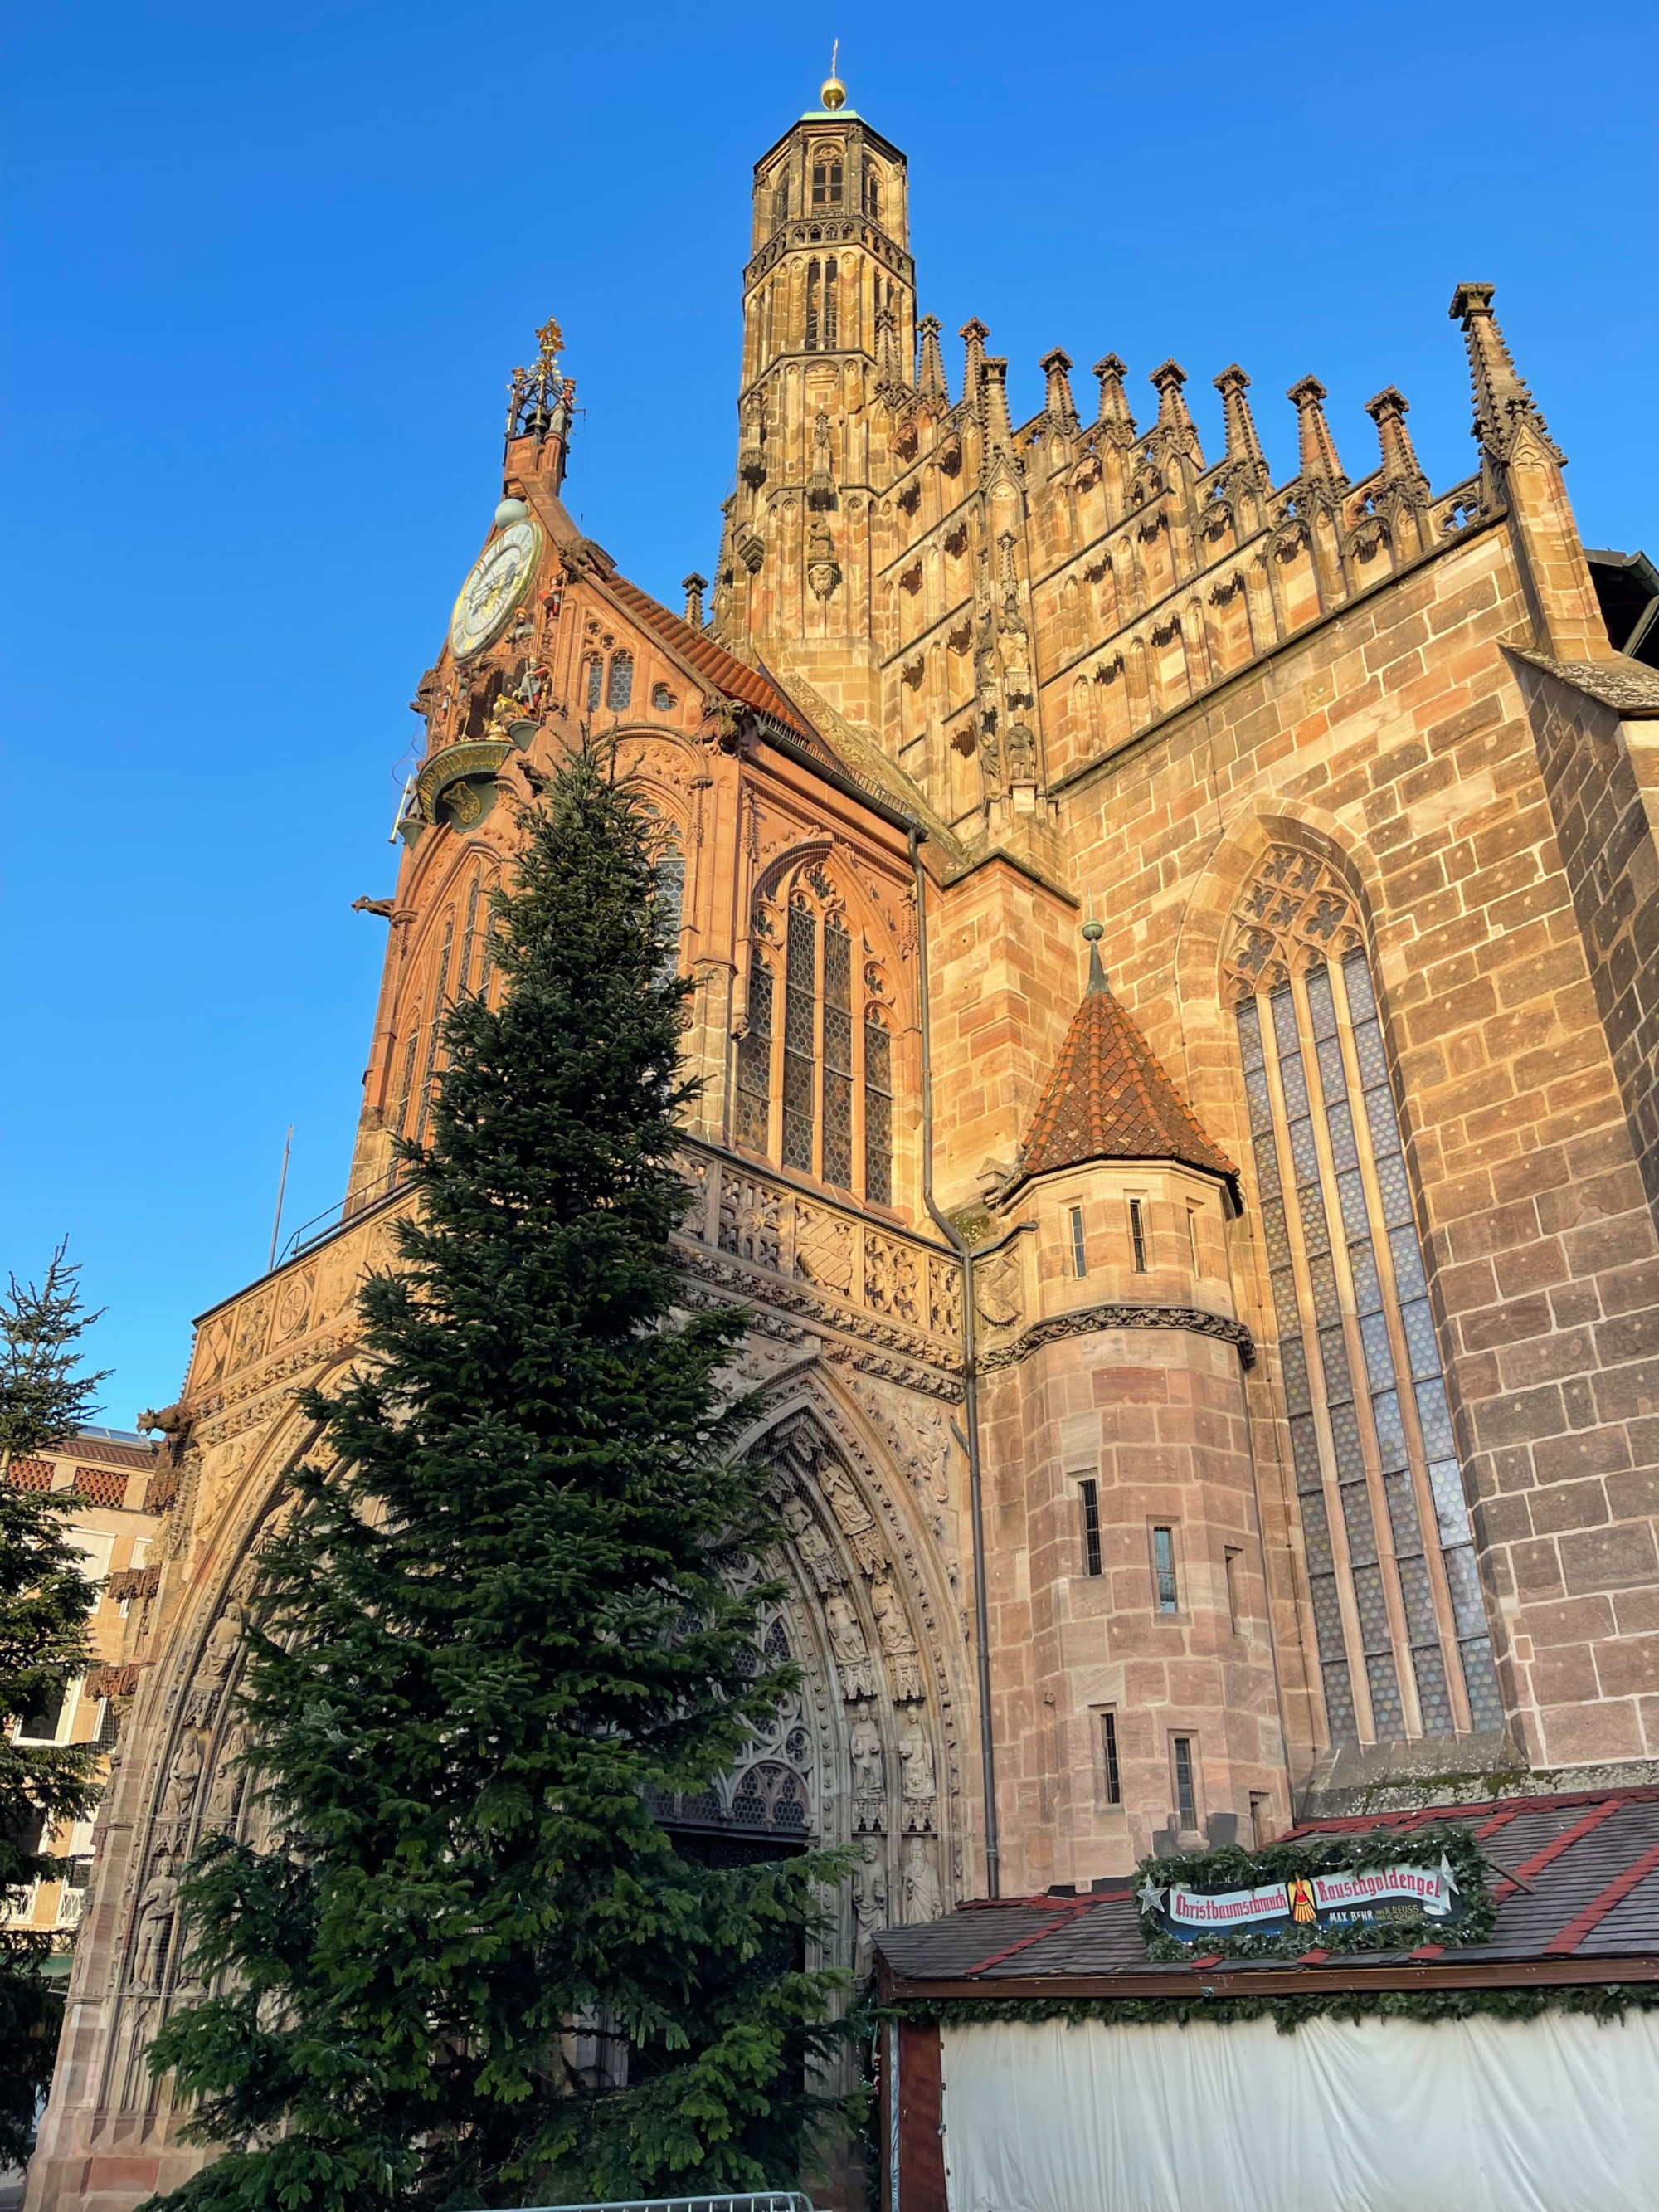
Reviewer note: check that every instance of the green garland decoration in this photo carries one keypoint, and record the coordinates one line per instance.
(1603, 2001)
(1235, 1868)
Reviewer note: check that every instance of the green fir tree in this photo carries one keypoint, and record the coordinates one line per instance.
(472, 1968)
(45, 1604)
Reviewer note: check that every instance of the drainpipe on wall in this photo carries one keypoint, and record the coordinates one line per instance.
(959, 1245)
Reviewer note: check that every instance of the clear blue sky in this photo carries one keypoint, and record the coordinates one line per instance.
(267, 270)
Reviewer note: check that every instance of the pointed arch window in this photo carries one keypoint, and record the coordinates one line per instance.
(878, 1109)
(755, 1058)
(827, 178)
(813, 305)
(595, 684)
(619, 691)
(434, 1029)
(872, 195)
(817, 1094)
(828, 321)
(671, 906)
(800, 988)
(1399, 1618)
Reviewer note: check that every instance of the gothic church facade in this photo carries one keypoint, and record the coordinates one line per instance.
(1173, 960)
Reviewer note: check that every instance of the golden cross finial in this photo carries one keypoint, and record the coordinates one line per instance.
(550, 338)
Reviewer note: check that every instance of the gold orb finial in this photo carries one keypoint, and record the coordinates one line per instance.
(832, 92)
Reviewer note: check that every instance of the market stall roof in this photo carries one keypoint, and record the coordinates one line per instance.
(1575, 1878)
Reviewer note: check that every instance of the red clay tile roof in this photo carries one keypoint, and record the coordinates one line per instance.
(1589, 1893)
(1108, 1099)
(712, 661)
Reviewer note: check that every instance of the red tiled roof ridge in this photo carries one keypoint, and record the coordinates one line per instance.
(1623, 1793)
(1107, 1097)
(721, 669)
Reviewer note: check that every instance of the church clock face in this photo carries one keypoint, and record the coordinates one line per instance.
(494, 587)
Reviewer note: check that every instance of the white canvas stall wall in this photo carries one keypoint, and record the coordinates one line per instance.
(1556, 2114)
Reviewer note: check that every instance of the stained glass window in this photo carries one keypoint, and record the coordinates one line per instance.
(831, 1065)
(755, 1058)
(799, 1042)
(464, 975)
(1371, 1439)
(439, 1003)
(877, 1110)
(595, 684)
(619, 691)
(670, 903)
(837, 1053)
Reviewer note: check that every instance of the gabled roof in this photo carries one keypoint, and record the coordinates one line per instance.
(1575, 1879)
(719, 669)
(1108, 1099)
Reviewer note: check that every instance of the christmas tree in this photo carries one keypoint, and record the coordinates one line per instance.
(45, 1602)
(471, 1967)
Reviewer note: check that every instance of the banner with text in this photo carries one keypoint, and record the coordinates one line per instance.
(1405, 1893)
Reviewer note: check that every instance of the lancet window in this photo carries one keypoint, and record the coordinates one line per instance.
(815, 1086)
(619, 691)
(827, 178)
(1400, 1622)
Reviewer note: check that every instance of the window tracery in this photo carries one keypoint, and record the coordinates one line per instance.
(619, 691)
(827, 177)
(1375, 1463)
(815, 1091)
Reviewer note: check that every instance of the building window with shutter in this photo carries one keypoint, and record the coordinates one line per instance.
(1112, 1773)
(1163, 1571)
(1138, 1258)
(1185, 1767)
(1079, 1248)
(1088, 1494)
(1395, 1596)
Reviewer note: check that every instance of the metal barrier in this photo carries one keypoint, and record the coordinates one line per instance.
(765, 2200)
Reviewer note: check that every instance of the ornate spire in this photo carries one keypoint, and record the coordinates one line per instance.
(1504, 408)
(889, 372)
(1059, 405)
(1114, 416)
(694, 586)
(930, 363)
(1399, 463)
(538, 404)
(1107, 1097)
(1243, 445)
(1316, 447)
(973, 334)
(1175, 431)
(999, 424)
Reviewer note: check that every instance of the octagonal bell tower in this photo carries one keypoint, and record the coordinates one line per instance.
(828, 310)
